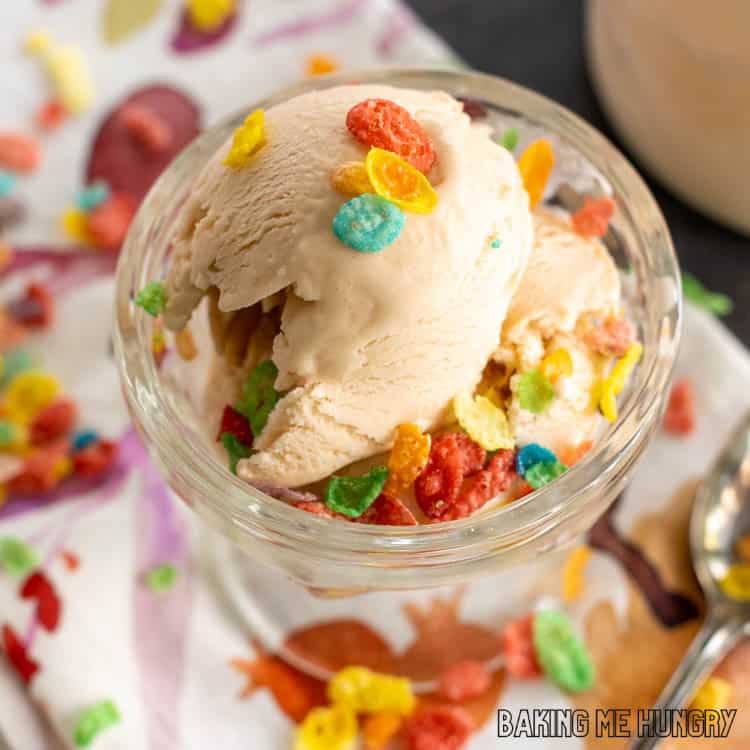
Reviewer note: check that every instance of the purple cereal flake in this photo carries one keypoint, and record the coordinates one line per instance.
(285, 493)
(187, 39)
(473, 107)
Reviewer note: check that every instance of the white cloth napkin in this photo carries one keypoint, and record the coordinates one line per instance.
(164, 658)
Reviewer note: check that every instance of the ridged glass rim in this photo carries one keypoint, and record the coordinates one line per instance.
(484, 535)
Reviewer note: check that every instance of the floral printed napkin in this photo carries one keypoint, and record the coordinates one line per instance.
(177, 665)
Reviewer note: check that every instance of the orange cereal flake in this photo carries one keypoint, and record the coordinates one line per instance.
(572, 454)
(592, 219)
(535, 165)
(319, 64)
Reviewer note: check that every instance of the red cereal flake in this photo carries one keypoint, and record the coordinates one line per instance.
(518, 648)
(108, 223)
(387, 125)
(53, 421)
(463, 681)
(612, 338)
(35, 309)
(388, 511)
(572, 454)
(48, 605)
(70, 560)
(150, 130)
(438, 484)
(318, 508)
(453, 456)
(51, 115)
(40, 293)
(438, 728)
(474, 456)
(17, 655)
(478, 488)
(40, 470)
(679, 418)
(236, 424)
(592, 219)
(95, 459)
(19, 152)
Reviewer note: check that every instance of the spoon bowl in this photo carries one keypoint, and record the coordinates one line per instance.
(720, 517)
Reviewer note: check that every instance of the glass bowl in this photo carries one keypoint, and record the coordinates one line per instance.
(285, 566)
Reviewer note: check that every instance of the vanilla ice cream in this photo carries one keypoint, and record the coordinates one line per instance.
(569, 283)
(362, 341)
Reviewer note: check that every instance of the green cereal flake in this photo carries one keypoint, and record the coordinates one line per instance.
(714, 302)
(152, 298)
(235, 449)
(352, 496)
(161, 578)
(509, 139)
(259, 396)
(561, 653)
(16, 557)
(543, 473)
(535, 392)
(93, 720)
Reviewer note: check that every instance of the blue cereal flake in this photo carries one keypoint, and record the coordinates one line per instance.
(368, 223)
(531, 454)
(93, 195)
(496, 244)
(7, 182)
(84, 439)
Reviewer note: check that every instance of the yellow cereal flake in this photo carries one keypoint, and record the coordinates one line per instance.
(714, 694)
(535, 165)
(70, 77)
(158, 341)
(485, 423)
(613, 385)
(28, 393)
(363, 691)
(208, 15)
(37, 42)
(248, 138)
(351, 179)
(557, 364)
(736, 582)
(74, 225)
(333, 728)
(399, 182)
(573, 573)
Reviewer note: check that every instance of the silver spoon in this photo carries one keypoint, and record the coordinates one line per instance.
(721, 514)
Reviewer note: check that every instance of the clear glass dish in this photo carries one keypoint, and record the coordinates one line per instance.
(283, 560)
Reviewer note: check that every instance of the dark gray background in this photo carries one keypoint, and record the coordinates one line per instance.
(539, 43)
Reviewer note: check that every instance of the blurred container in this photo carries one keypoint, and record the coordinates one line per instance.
(674, 78)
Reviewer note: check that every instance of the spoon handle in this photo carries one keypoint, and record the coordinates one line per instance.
(714, 640)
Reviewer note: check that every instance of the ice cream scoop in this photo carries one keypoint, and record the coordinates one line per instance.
(362, 341)
(569, 281)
